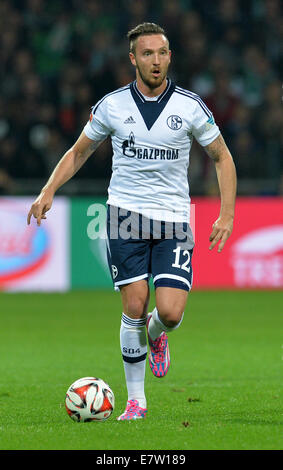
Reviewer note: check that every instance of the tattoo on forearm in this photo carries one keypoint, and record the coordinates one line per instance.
(215, 149)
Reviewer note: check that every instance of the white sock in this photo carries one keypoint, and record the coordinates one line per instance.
(156, 326)
(134, 350)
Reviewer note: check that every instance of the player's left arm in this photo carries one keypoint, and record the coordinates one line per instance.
(227, 180)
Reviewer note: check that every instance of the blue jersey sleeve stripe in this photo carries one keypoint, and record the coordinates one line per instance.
(94, 108)
(207, 113)
(195, 97)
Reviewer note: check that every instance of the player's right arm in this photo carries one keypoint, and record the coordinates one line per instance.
(67, 167)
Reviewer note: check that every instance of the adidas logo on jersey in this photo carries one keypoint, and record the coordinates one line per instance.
(130, 120)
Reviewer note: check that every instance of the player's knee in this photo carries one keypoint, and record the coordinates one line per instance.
(171, 317)
(136, 307)
(135, 299)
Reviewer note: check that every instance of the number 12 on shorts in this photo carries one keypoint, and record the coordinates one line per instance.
(177, 264)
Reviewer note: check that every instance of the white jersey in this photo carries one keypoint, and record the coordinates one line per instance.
(151, 143)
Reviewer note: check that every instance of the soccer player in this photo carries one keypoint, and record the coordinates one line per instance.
(152, 123)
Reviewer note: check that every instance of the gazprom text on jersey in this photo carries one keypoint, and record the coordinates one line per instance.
(157, 154)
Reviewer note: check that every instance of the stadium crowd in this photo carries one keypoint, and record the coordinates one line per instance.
(58, 58)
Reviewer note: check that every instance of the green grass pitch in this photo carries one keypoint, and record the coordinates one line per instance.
(223, 389)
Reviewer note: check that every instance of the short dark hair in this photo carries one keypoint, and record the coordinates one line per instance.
(142, 30)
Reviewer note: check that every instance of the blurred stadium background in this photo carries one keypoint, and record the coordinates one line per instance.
(58, 58)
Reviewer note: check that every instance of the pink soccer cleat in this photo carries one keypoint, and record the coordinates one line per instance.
(132, 411)
(158, 356)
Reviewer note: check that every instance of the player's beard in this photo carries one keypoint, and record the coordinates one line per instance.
(152, 83)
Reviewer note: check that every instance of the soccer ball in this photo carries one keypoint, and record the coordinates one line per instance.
(89, 399)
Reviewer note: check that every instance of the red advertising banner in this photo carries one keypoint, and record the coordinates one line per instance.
(252, 256)
(33, 258)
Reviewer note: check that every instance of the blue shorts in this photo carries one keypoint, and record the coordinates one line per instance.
(138, 248)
